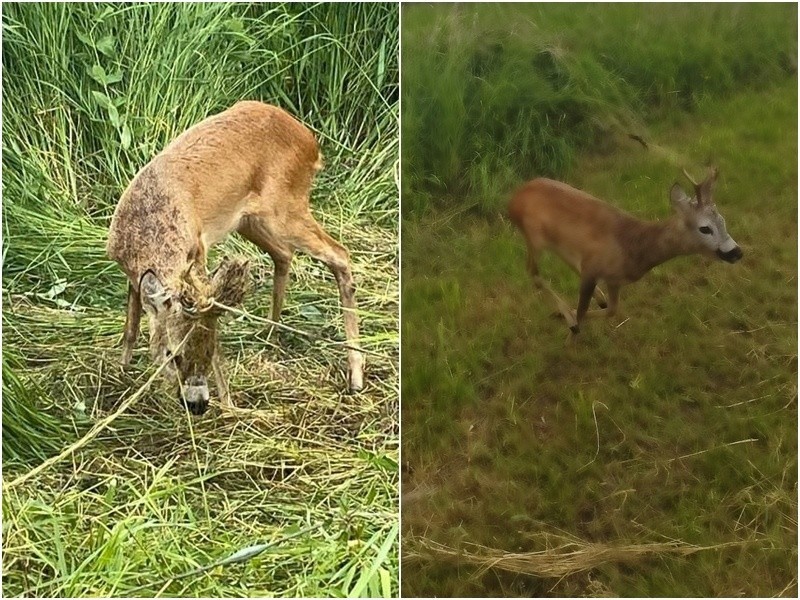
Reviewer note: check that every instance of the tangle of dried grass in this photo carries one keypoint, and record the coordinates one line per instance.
(571, 556)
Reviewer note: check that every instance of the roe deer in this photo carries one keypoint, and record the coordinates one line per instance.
(601, 242)
(248, 169)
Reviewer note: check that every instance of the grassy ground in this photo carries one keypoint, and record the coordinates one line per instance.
(90, 93)
(676, 422)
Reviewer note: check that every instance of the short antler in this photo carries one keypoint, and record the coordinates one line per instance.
(703, 190)
(196, 297)
(690, 178)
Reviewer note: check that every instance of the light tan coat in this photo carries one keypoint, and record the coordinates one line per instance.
(602, 243)
(249, 170)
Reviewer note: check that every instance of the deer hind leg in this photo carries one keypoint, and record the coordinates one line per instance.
(132, 319)
(254, 229)
(541, 284)
(611, 308)
(308, 236)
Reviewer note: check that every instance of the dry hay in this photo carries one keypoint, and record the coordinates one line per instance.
(569, 557)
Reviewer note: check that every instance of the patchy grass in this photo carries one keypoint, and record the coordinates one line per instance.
(674, 423)
(296, 493)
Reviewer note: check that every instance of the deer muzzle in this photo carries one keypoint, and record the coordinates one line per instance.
(194, 394)
(731, 256)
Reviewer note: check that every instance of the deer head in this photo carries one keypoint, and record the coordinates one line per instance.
(187, 309)
(704, 225)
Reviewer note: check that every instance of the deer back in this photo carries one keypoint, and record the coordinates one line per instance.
(250, 159)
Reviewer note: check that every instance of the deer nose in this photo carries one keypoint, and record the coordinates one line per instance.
(195, 394)
(731, 256)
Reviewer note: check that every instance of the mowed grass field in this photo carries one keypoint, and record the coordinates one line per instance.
(657, 456)
(296, 494)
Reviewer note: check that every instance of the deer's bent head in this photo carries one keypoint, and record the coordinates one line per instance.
(186, 309)
(703, 222)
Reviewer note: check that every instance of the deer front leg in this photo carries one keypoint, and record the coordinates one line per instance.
(588, 285)
(222, 381)
(282, 258)
(132, 319)
(257, 231)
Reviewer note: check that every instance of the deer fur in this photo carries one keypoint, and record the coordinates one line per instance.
(602, 243)
(249, 170)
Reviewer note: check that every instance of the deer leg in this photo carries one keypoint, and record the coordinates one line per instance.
(613, 304)
(281, 254)
(132, 319)
(282, 258)
(600, 298)
(222, 382)
(588, 285)
(541, 284)
(311, 238)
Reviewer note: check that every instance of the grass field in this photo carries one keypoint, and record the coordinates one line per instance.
(658, 455)
(297, 493)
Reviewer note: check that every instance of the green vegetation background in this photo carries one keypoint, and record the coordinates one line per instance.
(498, 93)
(90, 93)
(676, 421)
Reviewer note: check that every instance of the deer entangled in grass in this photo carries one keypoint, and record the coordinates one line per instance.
(248, 169)
(603, 243)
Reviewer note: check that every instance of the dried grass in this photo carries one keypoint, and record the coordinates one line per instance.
(569, 557)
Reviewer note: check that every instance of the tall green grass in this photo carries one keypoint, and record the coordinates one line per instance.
(496, 94)
(94, 91)
(90, 93)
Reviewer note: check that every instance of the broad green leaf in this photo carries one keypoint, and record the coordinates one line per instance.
(125, 136)
(101, 99)
(106, 45)
(113, 115)
(98, 73)
(114, 77)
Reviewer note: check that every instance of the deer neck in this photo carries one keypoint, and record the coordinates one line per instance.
(651, 243)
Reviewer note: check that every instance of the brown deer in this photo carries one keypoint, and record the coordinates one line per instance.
(603, 243)
(248, 169)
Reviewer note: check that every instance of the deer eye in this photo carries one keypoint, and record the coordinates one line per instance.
(706, 230)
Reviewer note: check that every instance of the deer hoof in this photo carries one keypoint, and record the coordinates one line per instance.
(125, 359)
(356, 385)
(574, 329)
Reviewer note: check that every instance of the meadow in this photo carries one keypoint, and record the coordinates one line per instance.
(296, 493)
(657, 456)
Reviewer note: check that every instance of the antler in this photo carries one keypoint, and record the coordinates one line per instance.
(703, 190)
(196, 298)
(689, 177)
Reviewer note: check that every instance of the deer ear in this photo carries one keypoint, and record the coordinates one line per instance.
(231, 281)
(678, 198)
(155, 297)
